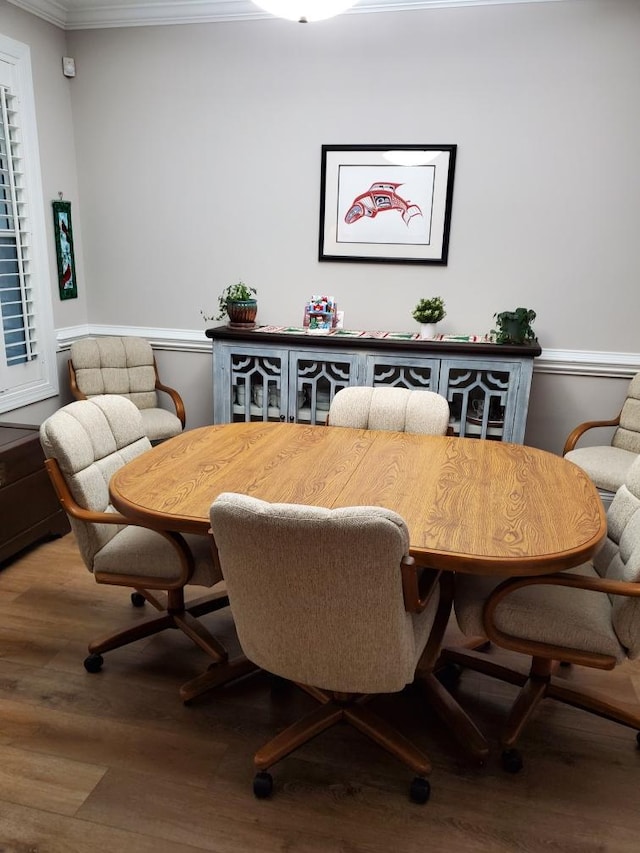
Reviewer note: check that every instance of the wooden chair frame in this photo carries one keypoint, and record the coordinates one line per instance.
(176, 613)
(540, 681)
(418, 585)
(579, 431)
(159, 386)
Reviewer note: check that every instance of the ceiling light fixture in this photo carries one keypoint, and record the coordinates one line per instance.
(305, 11)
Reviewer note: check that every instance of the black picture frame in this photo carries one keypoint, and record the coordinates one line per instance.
(63, 236)
(363, 216)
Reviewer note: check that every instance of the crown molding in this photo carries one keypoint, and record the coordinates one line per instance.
(99, 14)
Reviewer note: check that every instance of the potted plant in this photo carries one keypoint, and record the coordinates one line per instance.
(238, 303)
(514, 327)
(429, 312)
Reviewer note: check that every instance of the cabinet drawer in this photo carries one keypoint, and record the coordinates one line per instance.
(26, 502)
(29, 508)
(21, 457)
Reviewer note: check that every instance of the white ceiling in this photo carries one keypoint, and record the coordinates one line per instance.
(91, 14)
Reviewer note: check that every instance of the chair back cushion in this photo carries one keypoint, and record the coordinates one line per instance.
(397, 409)
(316, 594)
(91, 439)
(619, 558)
(627, 435)
(116, 366)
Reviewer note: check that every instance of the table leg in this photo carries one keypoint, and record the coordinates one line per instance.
(457, 721)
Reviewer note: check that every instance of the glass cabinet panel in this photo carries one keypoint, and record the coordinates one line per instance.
(256, 387)
(479, 397)
(314, 381)
(402, 372)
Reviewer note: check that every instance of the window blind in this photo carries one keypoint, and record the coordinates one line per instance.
(17, 307)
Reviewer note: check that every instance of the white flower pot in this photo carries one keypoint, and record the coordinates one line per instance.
(428, 330)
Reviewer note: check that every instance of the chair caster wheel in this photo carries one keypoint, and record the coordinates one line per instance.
(93, 663)
(511, 761)
(420, 790)
(138, 599)
(262, 785)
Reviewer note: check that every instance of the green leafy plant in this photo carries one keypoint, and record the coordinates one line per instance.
(429, 310)
(514, 327)
(238, 292)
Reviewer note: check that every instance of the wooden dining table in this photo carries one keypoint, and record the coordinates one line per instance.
(471, 505)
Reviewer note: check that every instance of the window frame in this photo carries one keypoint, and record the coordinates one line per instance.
(36, 380)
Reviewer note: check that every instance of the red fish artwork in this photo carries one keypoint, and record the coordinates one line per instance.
(381, 196)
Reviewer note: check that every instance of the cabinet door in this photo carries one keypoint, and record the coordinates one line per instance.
(314, 379)
(401, 371)
(483, 398)
(249, 383)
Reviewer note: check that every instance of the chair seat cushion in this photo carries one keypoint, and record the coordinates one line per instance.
(160, 424)
(547, 614)
(139, 551)
(606, 466)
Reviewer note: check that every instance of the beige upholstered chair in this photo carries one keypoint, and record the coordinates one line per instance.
(85, 443)
(330, 600)
(125, 366)
(588, 616)
(398, 409)
(608, 465)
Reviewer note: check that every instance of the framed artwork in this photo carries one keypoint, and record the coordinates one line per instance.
(63, 234)
(386, 203)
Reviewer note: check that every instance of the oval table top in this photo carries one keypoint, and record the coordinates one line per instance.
(471, 505)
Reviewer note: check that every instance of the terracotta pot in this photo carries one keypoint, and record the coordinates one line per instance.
(242, 314)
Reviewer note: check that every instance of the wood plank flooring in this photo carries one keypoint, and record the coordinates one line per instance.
(115, 762)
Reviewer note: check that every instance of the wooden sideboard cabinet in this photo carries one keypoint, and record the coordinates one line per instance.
(29, 508)
(267, 375)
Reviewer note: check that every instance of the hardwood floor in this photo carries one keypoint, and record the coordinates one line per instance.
(115, 762)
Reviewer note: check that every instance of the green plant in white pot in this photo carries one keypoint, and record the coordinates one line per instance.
(429, 312)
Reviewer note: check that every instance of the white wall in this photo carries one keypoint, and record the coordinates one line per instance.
(199, 161)
(54, 119)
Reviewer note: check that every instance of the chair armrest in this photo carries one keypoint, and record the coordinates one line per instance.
(77, 393)
(574, 435)
(418, 585)
(72, 508)
(175, 396)
(547, 650)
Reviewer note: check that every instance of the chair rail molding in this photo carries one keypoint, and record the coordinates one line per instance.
(585, 363)
(567, 362)
(180, 340)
